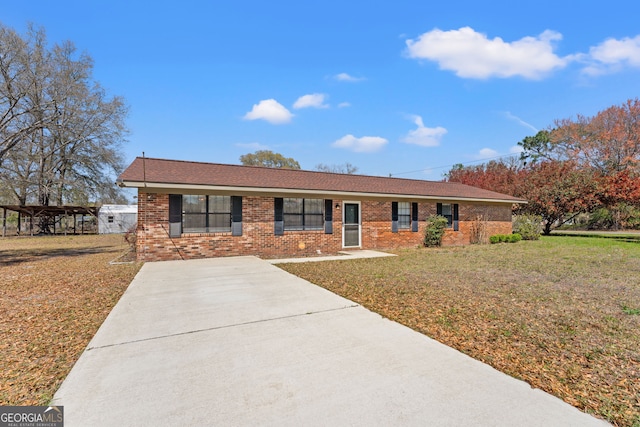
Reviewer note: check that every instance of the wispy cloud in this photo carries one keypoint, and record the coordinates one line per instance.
(471, 54)
(252, 146)
(313, 100)
(491, 154)
(424, 136)
(344, 105)
(365, 144)
(518, 120)
(344, 77)
(271, 111)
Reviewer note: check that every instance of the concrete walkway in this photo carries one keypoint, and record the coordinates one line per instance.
(237, 341)
(342, 255)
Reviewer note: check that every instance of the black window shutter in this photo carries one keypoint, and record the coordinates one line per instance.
(394, 217)
(236, 215)
(414, 217)
(455, 217)
(438, 208)
(175, 215)
(328, 216)
(278, 216)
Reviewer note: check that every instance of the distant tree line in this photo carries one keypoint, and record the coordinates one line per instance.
(60, 133)
(586, 165)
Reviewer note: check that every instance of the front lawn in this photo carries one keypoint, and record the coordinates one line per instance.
(55, 291)
(562, 313)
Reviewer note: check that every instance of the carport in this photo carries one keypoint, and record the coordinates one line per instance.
(49, 216)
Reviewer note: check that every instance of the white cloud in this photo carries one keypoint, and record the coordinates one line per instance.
(516, 149)
(344, 77)
(344, 105)
(424, 136)
(313, 100)
(518, 120)
(365, 144)
(612, 55)
(471, 54)
(487, 153)
(271, 111)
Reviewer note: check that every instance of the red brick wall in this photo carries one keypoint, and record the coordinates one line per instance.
(258, 237)
(376, 227)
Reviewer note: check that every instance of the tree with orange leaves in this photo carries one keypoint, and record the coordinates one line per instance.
(608, 141)
(558, 191)
(500, 176)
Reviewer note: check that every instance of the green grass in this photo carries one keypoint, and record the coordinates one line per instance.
(630, 311)
(561, 313)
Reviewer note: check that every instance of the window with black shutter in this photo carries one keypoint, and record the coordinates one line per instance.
(278, 216)
(303, 214)
(394, 217)
(414, 217)
(236, 215)
(175, 215)
(200, 213)
(404, 215)
(449, 211)
(328, 216)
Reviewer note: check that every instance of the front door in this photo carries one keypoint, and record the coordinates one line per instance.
(351, 225)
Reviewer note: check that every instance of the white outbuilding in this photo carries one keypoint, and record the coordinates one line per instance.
(117, 218)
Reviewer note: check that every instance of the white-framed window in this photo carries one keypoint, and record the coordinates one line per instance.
(404, 215)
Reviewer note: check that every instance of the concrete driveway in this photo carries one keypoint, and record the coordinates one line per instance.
(237, 341)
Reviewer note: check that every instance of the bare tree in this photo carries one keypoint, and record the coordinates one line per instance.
(347, 168)
(20, 61)
(62, 137)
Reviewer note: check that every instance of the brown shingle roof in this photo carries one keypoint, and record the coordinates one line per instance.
(172, 172)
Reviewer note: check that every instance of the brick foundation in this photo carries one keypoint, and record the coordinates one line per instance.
(258, 238)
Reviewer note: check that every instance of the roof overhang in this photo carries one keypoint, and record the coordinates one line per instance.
(267, 190)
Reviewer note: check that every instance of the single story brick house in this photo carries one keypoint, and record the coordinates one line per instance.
(199, 210)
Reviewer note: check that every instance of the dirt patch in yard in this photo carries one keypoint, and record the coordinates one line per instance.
(562, 314)
(54, 294)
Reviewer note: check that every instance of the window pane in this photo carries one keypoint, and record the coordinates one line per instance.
(313, 206)
(313, 217)
(293, 206)
(292, 222)
(194, 223)
(219, 204)
(351, 214)
(219, 222)
(313, 222)
(404, 208)
(194, 204)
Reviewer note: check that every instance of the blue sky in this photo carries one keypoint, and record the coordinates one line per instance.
(407, 88)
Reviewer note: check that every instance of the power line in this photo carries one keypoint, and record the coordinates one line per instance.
(448, 166)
